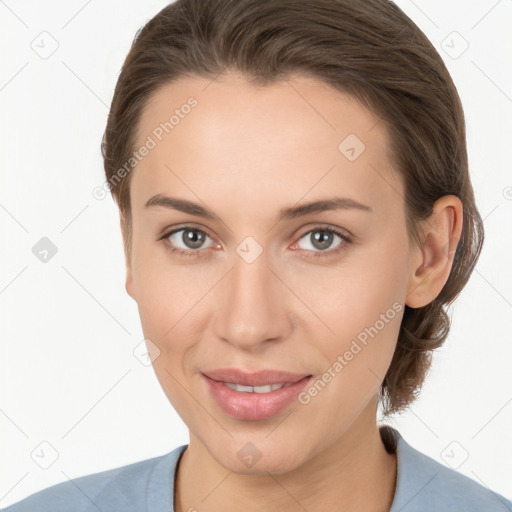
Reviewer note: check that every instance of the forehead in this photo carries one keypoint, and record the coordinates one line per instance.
(295, 137)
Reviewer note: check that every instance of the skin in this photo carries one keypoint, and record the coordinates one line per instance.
(245, 152)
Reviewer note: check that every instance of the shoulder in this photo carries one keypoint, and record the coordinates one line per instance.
(127, 488)
(425, 484)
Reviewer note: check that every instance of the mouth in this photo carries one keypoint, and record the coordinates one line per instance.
(255, 403)
(255, 380)
(267, 388)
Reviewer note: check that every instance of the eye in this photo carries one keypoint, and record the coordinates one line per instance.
(189, 241)
(321, 239)
(186, 241)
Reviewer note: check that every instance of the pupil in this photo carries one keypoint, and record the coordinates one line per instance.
(322, 241)
(193, 239)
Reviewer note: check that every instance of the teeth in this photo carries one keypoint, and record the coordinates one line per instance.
(253, 389)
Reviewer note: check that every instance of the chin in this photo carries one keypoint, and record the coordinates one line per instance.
(253, 458)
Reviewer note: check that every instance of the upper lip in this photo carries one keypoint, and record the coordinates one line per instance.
(260, 378)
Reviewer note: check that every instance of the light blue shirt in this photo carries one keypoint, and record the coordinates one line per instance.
(423, 484)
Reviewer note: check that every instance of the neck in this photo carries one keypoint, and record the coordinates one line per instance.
(354, 473)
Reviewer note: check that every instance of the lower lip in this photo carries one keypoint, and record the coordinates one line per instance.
(254, 406)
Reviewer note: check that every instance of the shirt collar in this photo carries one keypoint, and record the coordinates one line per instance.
(412, 475)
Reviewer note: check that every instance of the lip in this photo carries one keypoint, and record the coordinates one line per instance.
(260, 378)
(255, 406)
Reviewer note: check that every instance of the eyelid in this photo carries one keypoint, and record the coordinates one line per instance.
(168, 230)
(344, 233)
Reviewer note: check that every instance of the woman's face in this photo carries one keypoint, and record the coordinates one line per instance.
(254, 289)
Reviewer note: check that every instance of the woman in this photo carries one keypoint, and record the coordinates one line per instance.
(297, 214)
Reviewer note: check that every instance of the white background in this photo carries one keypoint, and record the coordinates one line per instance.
(68, 328)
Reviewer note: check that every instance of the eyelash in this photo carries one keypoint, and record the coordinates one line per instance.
(317, 254)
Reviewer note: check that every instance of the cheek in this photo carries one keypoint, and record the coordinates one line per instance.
(363, 320)
(364, 312)
(169, 304)
(170, 307)
(166, 292)
(361, 303)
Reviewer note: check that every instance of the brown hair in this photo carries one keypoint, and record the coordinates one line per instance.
(370, 50)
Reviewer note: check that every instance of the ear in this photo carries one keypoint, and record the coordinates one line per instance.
(128, 263)
(432, 261)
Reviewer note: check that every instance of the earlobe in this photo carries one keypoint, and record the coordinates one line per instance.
(128, 265)
(432, 261)
(129, 281)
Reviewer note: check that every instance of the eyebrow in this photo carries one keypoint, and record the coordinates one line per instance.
(292, 212)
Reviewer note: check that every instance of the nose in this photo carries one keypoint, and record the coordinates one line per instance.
(252, 305)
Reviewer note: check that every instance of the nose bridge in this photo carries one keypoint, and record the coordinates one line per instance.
(251, 303)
